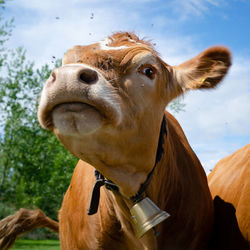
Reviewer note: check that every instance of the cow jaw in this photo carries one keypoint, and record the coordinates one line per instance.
(122, 157)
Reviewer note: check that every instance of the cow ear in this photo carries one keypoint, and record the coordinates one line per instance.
(203, 71)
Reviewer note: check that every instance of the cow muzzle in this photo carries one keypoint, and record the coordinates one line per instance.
(77, 97)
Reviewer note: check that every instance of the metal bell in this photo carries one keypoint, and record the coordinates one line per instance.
(146, 215)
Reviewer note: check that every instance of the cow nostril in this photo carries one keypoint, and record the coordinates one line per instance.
(88, 76)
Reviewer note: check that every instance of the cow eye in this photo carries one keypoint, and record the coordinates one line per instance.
(148, 70)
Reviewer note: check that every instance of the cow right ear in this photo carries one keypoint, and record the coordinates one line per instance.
(204, 71)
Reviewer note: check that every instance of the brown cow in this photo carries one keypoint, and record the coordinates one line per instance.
(230, 180)
(106, 104)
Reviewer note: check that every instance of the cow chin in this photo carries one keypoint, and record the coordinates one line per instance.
(74, 119)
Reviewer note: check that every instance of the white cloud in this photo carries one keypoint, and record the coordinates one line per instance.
(60, 24)
(188, 8)
(52, 30)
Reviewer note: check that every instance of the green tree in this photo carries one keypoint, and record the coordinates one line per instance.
(35, 169)
(177, 105)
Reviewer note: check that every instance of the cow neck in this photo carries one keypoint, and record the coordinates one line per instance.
(101, 180)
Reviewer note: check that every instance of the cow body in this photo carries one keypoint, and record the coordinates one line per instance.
(230, 180)
(178, 186)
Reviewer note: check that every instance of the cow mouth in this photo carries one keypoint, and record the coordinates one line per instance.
(74, 107)
(68, 108)
(101, 109)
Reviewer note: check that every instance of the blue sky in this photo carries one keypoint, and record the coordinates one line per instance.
(216, 122)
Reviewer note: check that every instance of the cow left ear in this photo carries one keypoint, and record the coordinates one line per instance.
(203, 71)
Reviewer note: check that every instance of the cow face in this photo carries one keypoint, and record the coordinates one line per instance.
(107, 101)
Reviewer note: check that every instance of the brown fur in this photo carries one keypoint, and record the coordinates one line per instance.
(230, 180)
(21, 222)
(179, 186)
(113, 125)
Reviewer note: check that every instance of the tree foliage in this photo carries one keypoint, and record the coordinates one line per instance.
(35, 169)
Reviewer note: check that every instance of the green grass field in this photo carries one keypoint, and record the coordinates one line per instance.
(36, 244)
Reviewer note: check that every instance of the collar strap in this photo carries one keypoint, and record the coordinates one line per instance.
(95, 196)
(101, 180)
(160, 150)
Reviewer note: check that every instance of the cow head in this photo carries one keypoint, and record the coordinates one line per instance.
(106, 103)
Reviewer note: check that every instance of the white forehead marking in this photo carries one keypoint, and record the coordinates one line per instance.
(105, 44)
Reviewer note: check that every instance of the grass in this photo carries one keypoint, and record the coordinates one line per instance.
(36, 244)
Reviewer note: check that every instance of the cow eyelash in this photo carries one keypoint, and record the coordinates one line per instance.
(147, 70)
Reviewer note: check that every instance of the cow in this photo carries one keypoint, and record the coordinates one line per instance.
(229, 181)
(106, 105)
